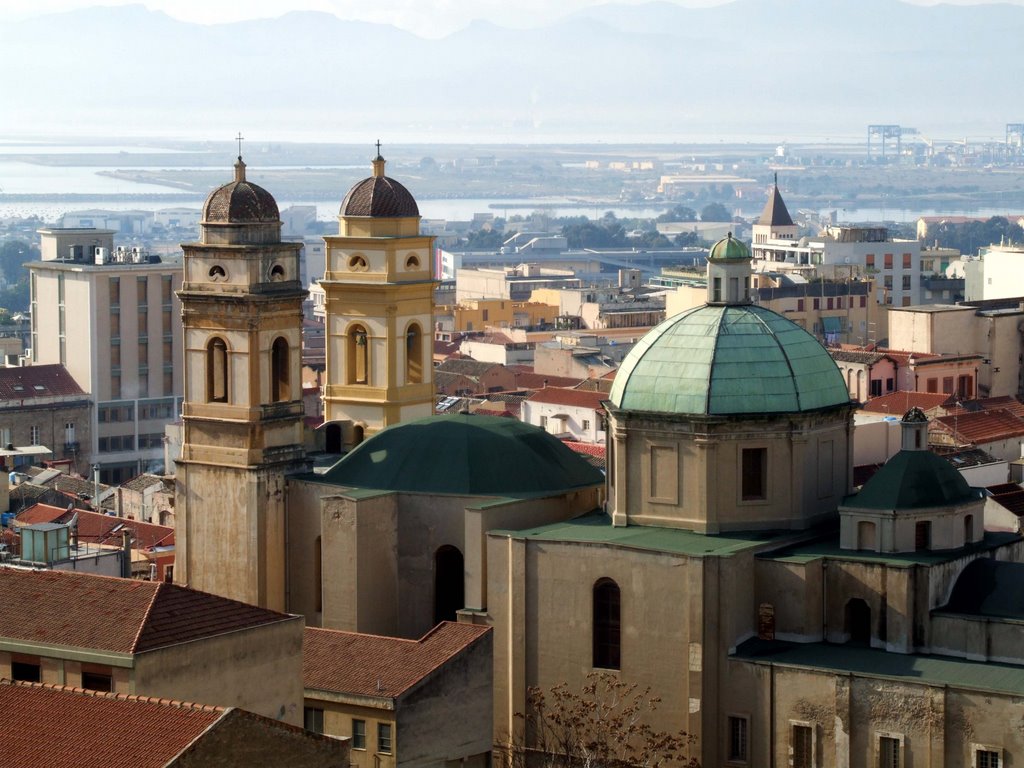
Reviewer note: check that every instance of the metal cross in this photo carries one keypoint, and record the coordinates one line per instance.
(239, 139)
(378, 147)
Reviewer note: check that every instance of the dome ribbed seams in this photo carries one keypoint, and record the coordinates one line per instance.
(240, 202)
(379, 196)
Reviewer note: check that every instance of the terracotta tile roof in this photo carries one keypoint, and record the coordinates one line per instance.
(60, 726)
(845, 356)
(467, 367)
(34, 381)
(68, 608)
(97, 528)
(530, 380)
(898, 403)
(142, 482)
(381, 667)
(984, 426)
(590, 449)
(575, 397)
(1006, 403)
(1008, 495)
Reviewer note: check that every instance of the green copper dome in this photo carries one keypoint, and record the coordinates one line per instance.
(723, 360)
(729, 248)
(464, 455)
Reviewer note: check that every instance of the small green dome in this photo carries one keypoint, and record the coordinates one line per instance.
(913, 480)
(464, 455)
(728, 248)
(725, 360)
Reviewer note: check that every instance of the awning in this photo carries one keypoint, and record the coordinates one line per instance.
(831, 324)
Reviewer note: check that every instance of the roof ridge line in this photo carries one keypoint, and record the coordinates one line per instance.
(145, 616)
(714, 354)
(114, 695)
(785, 356)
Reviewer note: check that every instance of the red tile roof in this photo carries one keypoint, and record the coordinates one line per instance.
(1010, 496)
(97, 528)
(984, 426)
(381, 667)
(58, 727)
(579, 398)
(1006, 403)
(590, 449)
(898, 403)
(529, 380)
(68, 608)
(33, 381)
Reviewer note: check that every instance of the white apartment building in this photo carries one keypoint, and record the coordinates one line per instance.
(839, 252)
(998, 274)
(113, 320)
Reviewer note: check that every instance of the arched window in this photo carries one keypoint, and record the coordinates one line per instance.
(606, 624)
(414, 355)
(449, 583)
(217, 371)
(968, 529)
(280, 373)
(318, 574)
(332, 438)
(858, 622)
(866, 536)
(358, 362)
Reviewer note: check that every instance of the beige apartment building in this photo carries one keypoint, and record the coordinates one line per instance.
(112, 319)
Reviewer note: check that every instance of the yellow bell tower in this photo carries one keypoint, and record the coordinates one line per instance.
(241, 303)
(379, 292)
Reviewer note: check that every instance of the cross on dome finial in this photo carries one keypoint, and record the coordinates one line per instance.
(378, 162)
(239, 138)
(378, 149)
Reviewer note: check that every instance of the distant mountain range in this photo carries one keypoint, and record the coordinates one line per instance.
(766, 70)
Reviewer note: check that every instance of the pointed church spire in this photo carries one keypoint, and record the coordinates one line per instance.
(775, 213)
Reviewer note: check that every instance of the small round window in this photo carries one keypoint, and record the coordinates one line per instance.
(357, 264)
(277, 273)
(217, 273)
(412, 262)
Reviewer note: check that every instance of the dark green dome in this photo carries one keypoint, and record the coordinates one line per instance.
(728, 248)
(464, 455)
(724, 360)
(913, 480)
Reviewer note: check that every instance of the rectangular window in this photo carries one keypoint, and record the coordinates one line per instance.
(986, 758)
(141, 293)
(738, 734)
(890, 385)
(839, 303)
(831, 303)
(384, 738)
(932, 385)
(313, 719)
(33, 435)
(586, 425)
(906, 282)
(887, 282)
(755, 474)
(863, 301)
(716, 293)
(869, 261)
(97, 681)
(115, 291)
(888, 261)
(166, 290)
(799, 305)
(965, 386)
(947, 385)
(876, 387)
(26, 669)
(906, 261)
(889, 752)
(358, 734)
(817, 304)
(803, 746)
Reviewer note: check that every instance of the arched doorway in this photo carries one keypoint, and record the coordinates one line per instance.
(858, 622)
(332, 438)
(449, 583)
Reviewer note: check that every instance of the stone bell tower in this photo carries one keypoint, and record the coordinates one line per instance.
(379, 291)
(241, 305)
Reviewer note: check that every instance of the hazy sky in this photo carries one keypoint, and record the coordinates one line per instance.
(429, 18)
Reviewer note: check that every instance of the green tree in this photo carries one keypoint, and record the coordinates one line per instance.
(678, 213)
(715, 212)
(600, 726)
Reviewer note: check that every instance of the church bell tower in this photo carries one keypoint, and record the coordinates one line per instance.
(379, 292)
(241, 305)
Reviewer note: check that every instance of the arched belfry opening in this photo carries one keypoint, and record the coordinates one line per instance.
(414, 354)
(357, 368)
(449, 583)
(280, 373)
(857, 623)
(217, 370)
